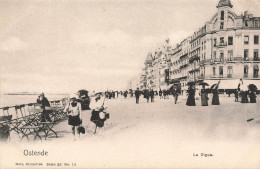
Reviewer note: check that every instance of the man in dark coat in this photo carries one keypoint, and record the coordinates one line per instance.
(160, 93)
(44, 103)
(152, 95)
(147, 95)
(175, 94)
(137, 95)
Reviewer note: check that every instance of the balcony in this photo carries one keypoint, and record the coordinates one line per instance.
(229, 76)
(247, 59)
(183, 66)
(217, 60)
(206, 61)
(194, 70)
(221, 45)
(193, 58)
(238, 59)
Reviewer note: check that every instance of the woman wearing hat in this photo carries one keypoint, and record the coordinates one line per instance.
(74, 112)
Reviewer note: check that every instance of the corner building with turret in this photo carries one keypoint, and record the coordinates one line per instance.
(226, 47)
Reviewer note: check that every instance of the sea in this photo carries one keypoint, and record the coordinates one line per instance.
(12, 100)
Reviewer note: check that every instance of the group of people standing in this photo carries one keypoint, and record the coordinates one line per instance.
(204, 95)
(244, 93)
(148, 94)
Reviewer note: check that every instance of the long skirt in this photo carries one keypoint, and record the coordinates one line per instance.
(204, 99)
(244, 98)
(252, 99)
(191, 101)
(215, 99)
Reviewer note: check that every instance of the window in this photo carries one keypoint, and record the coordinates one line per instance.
(214, 55)
(245, 70)
(215, 42)
(230, 40)
(221, 71)
(222, 15)
(230, 55)
(202, 46)
(222, 41)
(255, 71)
(246, 22)
(246, 39)
(230, 71)
(256, 39)
(246, 54)
(214, 71)
(256, 55)
(222, 25)
(256, 23)
(221, 57)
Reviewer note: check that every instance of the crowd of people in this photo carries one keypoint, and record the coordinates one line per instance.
(96, 103)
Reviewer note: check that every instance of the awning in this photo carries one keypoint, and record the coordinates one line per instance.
(248, 82)
(224, 84)
(229, 84)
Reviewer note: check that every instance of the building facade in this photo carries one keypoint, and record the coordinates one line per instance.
(226, 47)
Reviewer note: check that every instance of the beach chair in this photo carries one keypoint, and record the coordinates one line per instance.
(5, 127)
(28, 124)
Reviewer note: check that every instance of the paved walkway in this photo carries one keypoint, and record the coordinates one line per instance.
(164, 134)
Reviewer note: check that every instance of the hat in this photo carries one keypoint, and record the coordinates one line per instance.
(73, 96)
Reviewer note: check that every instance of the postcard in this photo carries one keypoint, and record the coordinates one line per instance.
(129, 84)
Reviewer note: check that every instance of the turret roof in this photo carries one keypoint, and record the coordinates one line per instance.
(224, 3)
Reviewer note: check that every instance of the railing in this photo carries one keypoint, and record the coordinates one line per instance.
(206, 61)
(221, 45)
(233, 59)
(251, 59)
(228, 76)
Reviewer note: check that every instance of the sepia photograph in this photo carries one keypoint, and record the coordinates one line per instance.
(129, 84)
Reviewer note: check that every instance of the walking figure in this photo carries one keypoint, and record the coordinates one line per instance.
(191, 96)
(215, 98)
(137, 95)
(152, 95)
(175, 94)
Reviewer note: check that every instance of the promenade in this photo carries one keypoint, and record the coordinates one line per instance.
(138, 133)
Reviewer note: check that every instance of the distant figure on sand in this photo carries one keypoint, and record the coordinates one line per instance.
(215, 98)
(204, 97)
(191, 96)
(160, 93)
(175, 94)
(137, 95)
(152, 95)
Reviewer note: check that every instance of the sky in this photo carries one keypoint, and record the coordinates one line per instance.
(66, 45)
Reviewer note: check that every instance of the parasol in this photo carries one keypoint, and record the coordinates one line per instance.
(252, 87)
(214, 85)
(190, 83)
(203, 84)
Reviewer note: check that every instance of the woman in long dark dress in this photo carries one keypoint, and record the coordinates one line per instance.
(204, 97)
(252, 96)
(215, 98)
(244, 98)
(191, 97)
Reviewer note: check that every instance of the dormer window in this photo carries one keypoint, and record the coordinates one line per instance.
(222, 15)
(221, 25)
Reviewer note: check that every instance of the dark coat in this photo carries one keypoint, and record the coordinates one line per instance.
(215, 98)
(137, 93)
(191, 97)
(204, 98)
